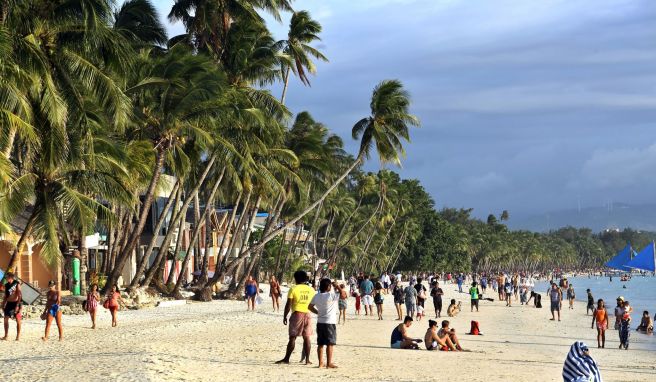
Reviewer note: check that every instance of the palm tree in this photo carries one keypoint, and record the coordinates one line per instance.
(383, 130)
(303, 30)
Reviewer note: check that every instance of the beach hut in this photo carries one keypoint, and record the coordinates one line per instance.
(645, 260)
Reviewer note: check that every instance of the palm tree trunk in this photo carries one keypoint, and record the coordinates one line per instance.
(228, 228)
(176, 250)
(176, 194)
(27, 231)
(209, 205)
(284, 89)
(84, 255)
(206, 255)
(143, 216)
(237, 231)
(11, 136)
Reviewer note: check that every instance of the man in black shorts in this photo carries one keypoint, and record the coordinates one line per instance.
(11, 305)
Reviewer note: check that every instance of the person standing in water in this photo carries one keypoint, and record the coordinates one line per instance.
(600, 316)
(93, 297)
(11, 305)
(53, 310)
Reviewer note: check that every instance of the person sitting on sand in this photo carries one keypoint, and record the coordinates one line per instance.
(300, 323)
(448, 334)
(400, 338)
(11, 305)
(600, 316)
(324, 305)
(453, 308)
(433, 341)
(53, 310)
(646, 324)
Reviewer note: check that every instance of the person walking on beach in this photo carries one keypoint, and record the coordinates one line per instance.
(343, 304)
(590, 307)
(275, 293)
(556, 296)
(507, 292)
(421, 295)
(437, 293)
(600, 316)
(11, 305)
(571, 295)
(53, 311)
(378, 299)
(625, 323)
(501, 282)
(93, 297)
(300, 322)
(410, 300)
(367, 289)
(483, 283)
(474, 293)
(459, 281)
(399, 298)
(112, 303)
(619, 312)
(324, 304)
(251, 290)
(400, 338)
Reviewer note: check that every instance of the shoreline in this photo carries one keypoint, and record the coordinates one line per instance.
(206, 341)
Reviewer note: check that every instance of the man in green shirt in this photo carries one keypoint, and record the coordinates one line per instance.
(474, 293)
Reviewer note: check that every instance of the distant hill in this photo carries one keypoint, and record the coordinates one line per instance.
(641, 217)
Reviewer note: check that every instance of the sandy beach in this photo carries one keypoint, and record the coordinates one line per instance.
(221, 341)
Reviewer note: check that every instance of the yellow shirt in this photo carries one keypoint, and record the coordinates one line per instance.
(301, 295)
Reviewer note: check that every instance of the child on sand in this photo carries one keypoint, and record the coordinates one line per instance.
(324, 305)
(600, 316)
(343, 304)
(453, 309)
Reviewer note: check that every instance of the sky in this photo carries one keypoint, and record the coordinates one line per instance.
(528, 106)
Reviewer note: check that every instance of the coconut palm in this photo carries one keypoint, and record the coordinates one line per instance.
(303, 31)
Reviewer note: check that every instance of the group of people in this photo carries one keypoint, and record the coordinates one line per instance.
(12, 305)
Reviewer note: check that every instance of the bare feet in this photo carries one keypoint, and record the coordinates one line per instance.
(308, 362)
(44, 339)
(331, 366)
(282, 361)
(320, 366)
(3, 338)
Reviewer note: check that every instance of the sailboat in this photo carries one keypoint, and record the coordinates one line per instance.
(645, 260)
(621, 260)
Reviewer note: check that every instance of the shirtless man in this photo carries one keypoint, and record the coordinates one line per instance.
(11, 305)
(449, 334)
(400, 338)
(433, 341)
(343, 304)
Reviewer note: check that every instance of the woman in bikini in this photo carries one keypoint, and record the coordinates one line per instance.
(93, 297)
(53, 310)
(274, 292)
(112, 303)
(600, 316)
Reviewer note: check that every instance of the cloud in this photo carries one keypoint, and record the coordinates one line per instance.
(485, 183)
(618, 168)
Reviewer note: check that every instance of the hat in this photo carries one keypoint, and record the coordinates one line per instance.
(620, 298)
(51, 283)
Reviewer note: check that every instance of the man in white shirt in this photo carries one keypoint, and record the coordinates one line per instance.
(325, 305)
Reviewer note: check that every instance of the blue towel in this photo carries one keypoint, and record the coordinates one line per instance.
(580, 367)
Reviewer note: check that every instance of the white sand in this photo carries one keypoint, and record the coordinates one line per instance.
(221, 341)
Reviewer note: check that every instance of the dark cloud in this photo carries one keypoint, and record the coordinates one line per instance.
(525, 106)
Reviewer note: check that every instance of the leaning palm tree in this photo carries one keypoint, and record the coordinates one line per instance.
(383, 130)
(302, 31)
